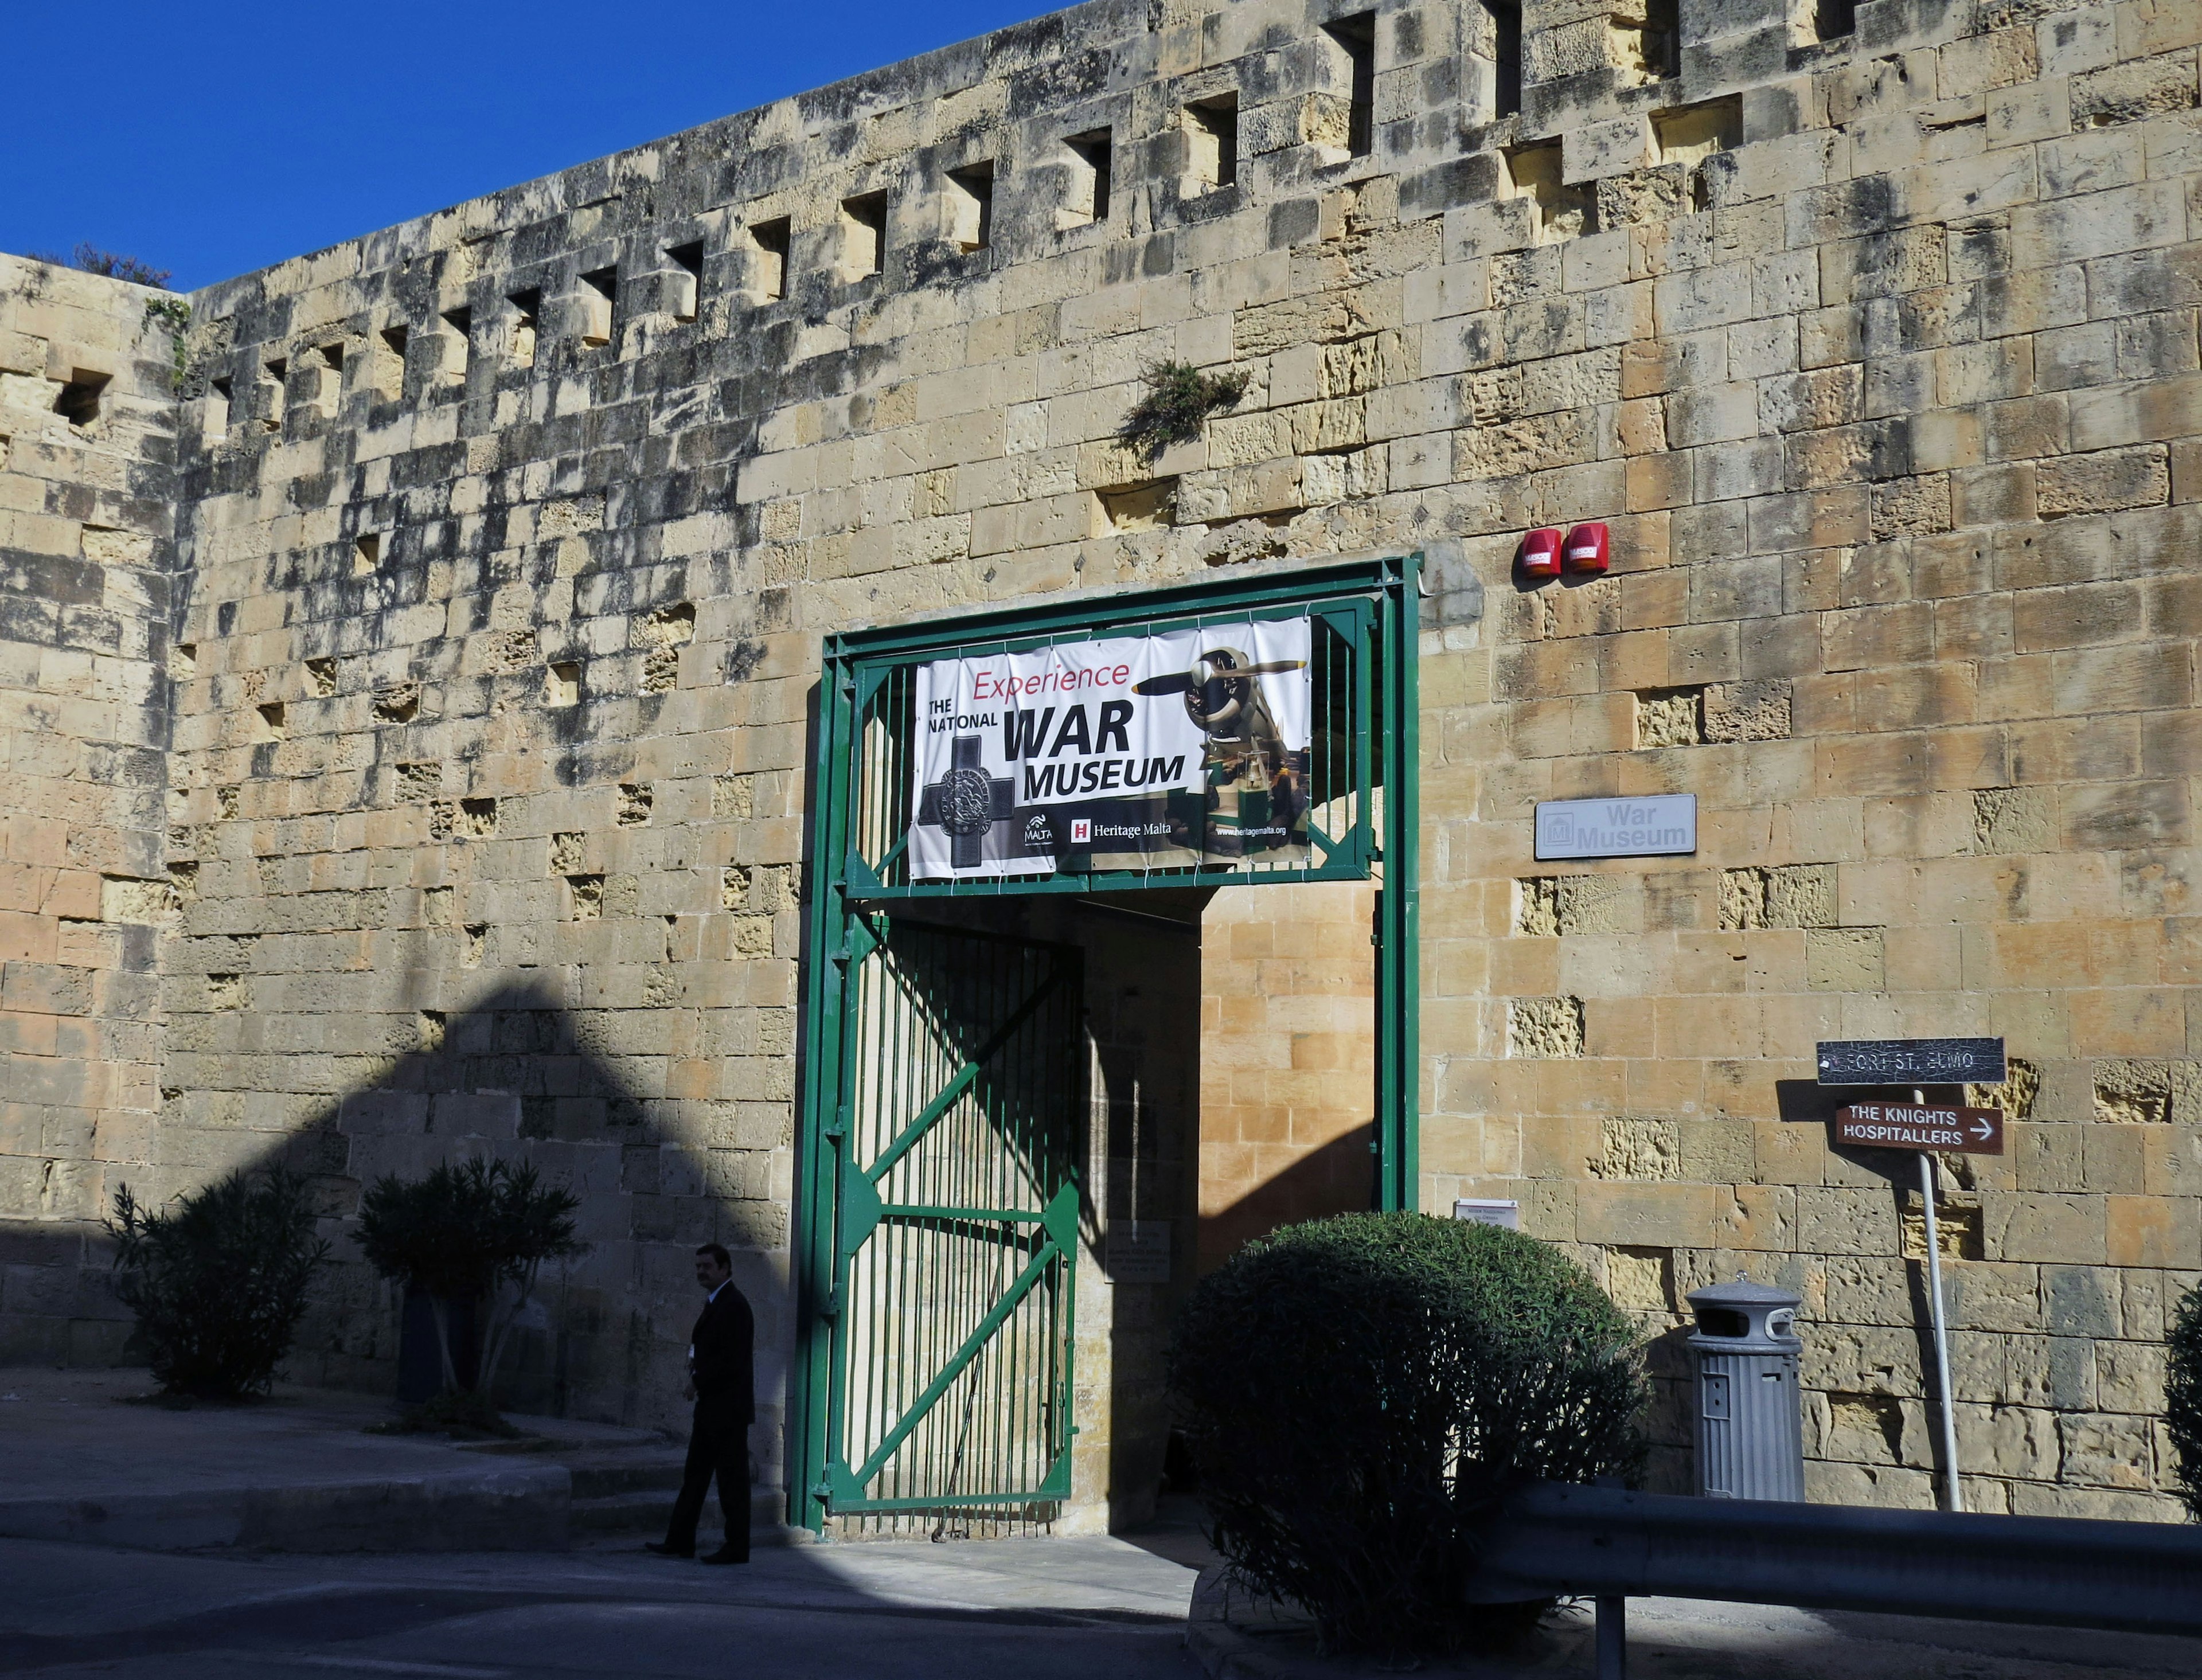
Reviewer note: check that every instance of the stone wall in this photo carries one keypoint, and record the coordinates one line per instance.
(86, 494)
(1287, 1059)
(510, 535)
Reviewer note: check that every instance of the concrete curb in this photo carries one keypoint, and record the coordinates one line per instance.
(498, 1507)
(1222, 1652)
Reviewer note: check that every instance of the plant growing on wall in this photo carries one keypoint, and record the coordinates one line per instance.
(2182, 1397)
(477, 1232)
(1361, 1394)
(218, 1280)
(115, 265)
(1178, 398)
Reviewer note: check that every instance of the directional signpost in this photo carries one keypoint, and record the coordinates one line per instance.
(1927, 1131)
(1907, 1125)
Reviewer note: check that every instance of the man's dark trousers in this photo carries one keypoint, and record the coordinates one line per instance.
(718, 1444)
(722, 1367)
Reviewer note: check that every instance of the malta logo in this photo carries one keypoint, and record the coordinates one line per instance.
(967, 802)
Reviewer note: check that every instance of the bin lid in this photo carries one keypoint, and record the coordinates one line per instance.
(1744, 1316)
(1743, 1293)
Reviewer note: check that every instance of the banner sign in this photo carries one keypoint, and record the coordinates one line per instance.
(1902, 1125)
(1142, 752)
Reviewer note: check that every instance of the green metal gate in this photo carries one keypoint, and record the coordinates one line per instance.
(957, 1242)
(937, 1201)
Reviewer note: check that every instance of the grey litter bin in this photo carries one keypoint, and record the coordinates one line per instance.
(1751, 1438)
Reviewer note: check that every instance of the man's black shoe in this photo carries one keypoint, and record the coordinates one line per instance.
(725, 1554)
(666, 1549)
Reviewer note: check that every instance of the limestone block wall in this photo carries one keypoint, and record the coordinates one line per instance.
(86, 459)
(509, 535)
(1891, 395)
(1287, 1059)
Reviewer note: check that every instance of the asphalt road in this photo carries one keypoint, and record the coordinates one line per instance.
(1065, 1608)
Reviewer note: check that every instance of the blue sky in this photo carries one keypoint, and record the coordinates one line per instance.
(216, 137)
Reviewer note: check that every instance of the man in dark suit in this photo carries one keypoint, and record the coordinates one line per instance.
(722, 1381)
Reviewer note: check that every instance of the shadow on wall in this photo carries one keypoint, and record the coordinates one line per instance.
(1336, 1178)
(513, 1077)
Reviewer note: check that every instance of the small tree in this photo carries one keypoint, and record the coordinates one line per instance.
(2182, 1397)
(1361, 1394)
(477, 1232)
(218, 1280)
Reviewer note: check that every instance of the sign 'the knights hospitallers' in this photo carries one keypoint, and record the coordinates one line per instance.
(1144, 752)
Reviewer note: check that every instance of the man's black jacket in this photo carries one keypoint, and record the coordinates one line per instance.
(724, 1363)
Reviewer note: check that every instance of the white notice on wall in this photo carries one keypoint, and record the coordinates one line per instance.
(1481, 1211)
(1650, 826)
(1139, 1251)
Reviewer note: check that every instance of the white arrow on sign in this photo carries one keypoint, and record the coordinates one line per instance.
(1983, 1131)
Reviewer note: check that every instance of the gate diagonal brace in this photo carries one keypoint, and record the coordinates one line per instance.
(962, 1081)
(1062, 1216)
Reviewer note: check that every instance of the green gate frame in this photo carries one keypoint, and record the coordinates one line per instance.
(1375, 601)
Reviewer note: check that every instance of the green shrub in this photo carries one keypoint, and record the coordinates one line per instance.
(477, 1232)
(1179, 398)
(2182, 1397)
(219, 1280)
(1360, 1394)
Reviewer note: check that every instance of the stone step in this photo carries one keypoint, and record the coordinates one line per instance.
(599, 1475)
(644, 1511)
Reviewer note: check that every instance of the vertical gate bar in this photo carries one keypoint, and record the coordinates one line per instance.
(827, 937)
(1398, 1095)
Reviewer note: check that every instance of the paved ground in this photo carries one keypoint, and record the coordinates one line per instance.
(71, 1433)
(1065, 1608)
(1684, 1639)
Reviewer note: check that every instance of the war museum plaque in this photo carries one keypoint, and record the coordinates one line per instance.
(1648, 825)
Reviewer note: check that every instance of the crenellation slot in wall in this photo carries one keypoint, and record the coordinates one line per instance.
(684, 279)
(274, 392)
(599, 289)
(770, 243)
(457, 353)
(1689, 134)
(1499, 55)
(1834, 20)
(365, 554)
(562, 683)
(1092, 166)
(221, 407)
(864, 235)
(971, 206)
(327, 366)
(1353, 41)
(78, 401)
(1645, 41)
(524, 326)
(387, 368)
(1212, 142)
(1563, 211)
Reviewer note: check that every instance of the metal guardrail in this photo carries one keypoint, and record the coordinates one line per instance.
(1611, 1545)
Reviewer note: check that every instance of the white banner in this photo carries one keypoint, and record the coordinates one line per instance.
(1143, 752)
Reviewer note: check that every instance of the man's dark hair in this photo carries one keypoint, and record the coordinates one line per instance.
(720, 1257)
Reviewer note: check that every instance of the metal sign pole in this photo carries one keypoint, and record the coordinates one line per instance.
(1954, 1497)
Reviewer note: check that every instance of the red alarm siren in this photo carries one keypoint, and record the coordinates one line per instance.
(1588, 549)
(1541, 553)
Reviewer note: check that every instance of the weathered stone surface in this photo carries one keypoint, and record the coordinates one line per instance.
(407, 751)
